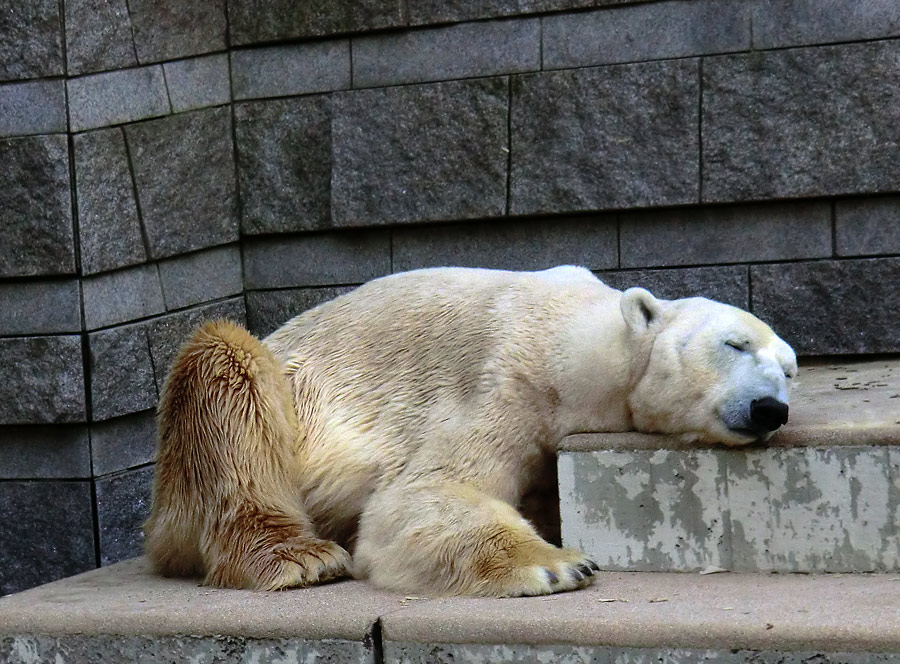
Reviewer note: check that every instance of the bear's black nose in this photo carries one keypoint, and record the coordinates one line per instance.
(768, 413)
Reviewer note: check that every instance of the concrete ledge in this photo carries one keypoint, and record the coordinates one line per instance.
(124, 612)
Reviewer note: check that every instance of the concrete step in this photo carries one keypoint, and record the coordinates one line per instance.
(123, 613)
(823, 496)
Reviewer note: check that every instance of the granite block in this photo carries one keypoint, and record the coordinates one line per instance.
(109, 226)
(506, 245)
(726, 234)
(831, 307)
(801, 122)
(425, 152)
(201, 277)
(269, 310)
(40, 307)
(778, 23)
(439, 54)
(610, 137)
(122, 377)
(284, 164)
(198, 82)
(452, 11)
(646, 510)
(116, 97)
(36, 235)
(867, 226)
(728, 283)
(44, 452)
(46, 532)
(195, 147)
(295, 69)
(169, 332)
(253, 21)
(30, 40)
(43, 380)
(36, 107)
(646, 32)
(317, 260)
(123, 504)
(125, 295)
(123, 442)
(167, 29)
(98, 36)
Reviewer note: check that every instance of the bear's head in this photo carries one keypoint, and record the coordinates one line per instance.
(714, 373)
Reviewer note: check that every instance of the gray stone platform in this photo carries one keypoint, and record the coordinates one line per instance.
(823, 496)
(125, 613)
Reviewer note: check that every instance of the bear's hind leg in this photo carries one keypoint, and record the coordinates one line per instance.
(225, 502)
(455, 540)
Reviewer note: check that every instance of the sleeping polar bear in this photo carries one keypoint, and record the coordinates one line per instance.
(405, 420)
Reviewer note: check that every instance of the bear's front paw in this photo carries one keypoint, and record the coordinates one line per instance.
(551, 570)
(304, 561)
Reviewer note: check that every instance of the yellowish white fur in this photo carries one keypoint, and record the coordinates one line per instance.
(424, 405)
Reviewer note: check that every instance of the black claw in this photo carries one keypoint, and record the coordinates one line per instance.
(577, 575)
(551, 577)
(587, 571)
(594, 566)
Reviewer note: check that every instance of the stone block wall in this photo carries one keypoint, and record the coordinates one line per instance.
(163, 163)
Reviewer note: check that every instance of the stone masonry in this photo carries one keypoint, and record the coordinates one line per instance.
(164, 163)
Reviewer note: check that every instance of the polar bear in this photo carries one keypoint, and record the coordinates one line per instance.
(404, 421)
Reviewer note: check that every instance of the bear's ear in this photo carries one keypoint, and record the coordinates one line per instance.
(639, 309)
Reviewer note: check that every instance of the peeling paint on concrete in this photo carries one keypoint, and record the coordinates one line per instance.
(780, 509)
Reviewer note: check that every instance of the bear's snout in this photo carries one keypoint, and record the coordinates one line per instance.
(768, 413)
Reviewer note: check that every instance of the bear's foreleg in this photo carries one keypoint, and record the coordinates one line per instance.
(225, 502)
(452, 539)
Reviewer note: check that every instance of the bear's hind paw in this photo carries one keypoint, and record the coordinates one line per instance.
(306, 562)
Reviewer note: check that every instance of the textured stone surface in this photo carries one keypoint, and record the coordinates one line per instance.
(115, 97)
(646, 32)
(434, 151)
(122, 379)
(788, 510)
(621, 136)
(36, 107)
(797, 22)
(269, 310)
(518, 245)
(726, 235)
(728, 284)
(349, 257)
(867, 226)
(169, 332)
(196, 148)
(201, 277)
(444, 11)
(35, 207)
(30, 40)
(284, 164)
(123, 504)
(831, 307)
(801, 122)
(98, 35)
(200, 650)
(32, 512)
(43, 380)
(44, 451)
(252, 21)
(123, 442)
(646, 511)
(118, 297)
(40, 307)
(166, 29)
(291, 70)
(108, 222)
(459, 51)
(198, 82)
